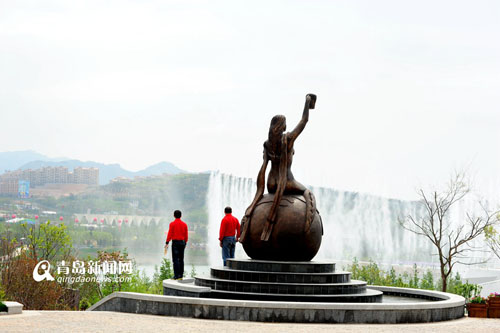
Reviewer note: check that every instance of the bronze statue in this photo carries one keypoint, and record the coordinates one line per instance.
(284, 224)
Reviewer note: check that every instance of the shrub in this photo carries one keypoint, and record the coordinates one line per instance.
(468, 291)
(84, 304)
(166, 271)
(93, 291)
(372, 274)
(193, 271)
(17, 278)
(427, 281)
(2, 292)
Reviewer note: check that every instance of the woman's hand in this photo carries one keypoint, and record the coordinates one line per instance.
(311, 100)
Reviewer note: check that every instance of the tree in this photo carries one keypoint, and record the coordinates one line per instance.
(48, 241)
(451, 243)
(44, 241)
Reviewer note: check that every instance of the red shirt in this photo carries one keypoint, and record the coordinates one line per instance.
(229, 226)
(177, 230)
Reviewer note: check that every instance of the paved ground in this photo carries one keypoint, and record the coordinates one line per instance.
(100, 321)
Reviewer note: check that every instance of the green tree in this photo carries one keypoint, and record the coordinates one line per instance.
(47, 241)
(36, 242)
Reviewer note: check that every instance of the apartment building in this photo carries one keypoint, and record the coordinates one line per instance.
(9, 181)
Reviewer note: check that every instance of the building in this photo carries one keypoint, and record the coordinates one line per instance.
(88, 176)
(9, 181)
(9, 186)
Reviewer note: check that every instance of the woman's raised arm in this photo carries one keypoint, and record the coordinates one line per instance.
(309, 104)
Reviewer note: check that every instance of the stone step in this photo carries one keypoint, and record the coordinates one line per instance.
(12, 308)
(368, 296)
(281, 266)
(225, 273)
(352, 287)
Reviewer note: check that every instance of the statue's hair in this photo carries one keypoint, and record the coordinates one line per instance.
(276, 123)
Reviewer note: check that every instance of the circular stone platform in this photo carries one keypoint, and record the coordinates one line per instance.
(298, 292)
(448, 307)
(288, 281)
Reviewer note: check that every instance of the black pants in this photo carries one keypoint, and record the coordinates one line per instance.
(178, 247)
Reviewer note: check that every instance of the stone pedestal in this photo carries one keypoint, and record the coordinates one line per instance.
(285, 281)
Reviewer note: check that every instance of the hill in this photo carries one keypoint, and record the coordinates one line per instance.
(12, 160)
(33, 160)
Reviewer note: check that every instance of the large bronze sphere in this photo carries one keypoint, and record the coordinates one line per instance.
(291, 239)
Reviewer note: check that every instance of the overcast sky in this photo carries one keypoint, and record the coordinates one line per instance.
(407, 91)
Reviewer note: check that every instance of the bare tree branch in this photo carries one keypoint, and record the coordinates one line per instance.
(451, 244)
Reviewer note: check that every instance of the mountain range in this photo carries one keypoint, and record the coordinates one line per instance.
(29, 159)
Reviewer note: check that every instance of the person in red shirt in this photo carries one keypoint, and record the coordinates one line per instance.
(229, 234)
(178, 234)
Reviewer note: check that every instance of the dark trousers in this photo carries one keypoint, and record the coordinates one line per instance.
(178, 247)
(228, 246)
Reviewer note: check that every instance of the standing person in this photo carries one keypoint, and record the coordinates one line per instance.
(178, 234)
(229, 233)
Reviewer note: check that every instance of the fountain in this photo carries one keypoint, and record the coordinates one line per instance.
(282, 232)
(355, 224)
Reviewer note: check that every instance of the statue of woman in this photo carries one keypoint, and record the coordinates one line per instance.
(279, 150)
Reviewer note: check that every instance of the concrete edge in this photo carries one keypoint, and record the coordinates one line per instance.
(356, 283)
(185, 285)
(448, 301)
(104, 300)
(270, 262)
(13, 308)
(337, 272)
